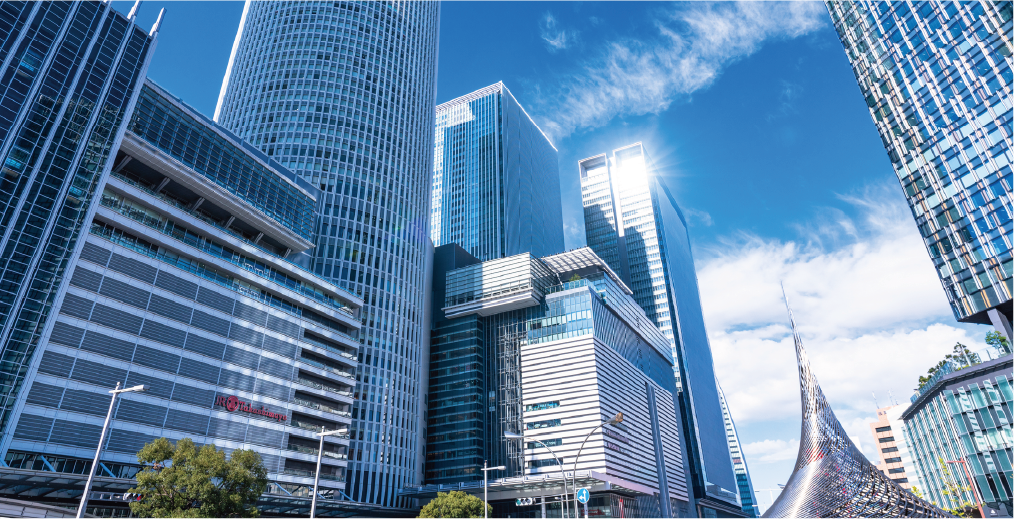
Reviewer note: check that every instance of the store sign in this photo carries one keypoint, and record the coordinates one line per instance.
(232, 404)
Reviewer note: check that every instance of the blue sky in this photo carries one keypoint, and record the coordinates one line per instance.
(752, 114)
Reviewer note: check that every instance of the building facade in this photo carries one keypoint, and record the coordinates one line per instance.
(965, 415)
(634, 224)
(895, 456)
(937, 79)
(182, 284)
(342, 94)
(745, 485)
(550, 348)
(70, 73)
(496, 178)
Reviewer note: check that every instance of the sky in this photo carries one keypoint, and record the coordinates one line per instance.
(751, 113)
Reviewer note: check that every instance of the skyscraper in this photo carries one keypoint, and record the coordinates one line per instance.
(634, 224)
(342, 93)
(937, 79)
(496, 179)
(69, 73)
(746, 494)
(893, 448)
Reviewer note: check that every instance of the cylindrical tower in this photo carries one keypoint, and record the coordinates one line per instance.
(343, 94)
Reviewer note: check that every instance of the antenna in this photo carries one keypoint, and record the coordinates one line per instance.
(891, 396)
(875, 400)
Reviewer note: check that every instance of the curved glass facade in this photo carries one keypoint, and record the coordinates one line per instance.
(342, 93)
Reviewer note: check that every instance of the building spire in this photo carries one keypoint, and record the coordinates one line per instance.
(832, 478)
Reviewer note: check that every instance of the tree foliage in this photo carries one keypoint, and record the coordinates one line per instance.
(998, 341)
(183, 481)
(453, 504)
(960, 357)
(955, 492)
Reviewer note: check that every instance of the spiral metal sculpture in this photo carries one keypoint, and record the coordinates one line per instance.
(832, 478)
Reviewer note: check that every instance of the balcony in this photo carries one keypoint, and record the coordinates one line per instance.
(324, 387)
(321, 407)
(320, 365)
(313, 450)
(310, 474)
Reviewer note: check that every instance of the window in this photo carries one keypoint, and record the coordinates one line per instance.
(899, 470)
(886, 439)
(890, 449)
(541, 406)
(543, 424)
(551, 462)
(552, 442)
(892, 460)
(883, 429)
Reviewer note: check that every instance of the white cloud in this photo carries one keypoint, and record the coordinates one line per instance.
(555, 37)
(697, 217)
(866, 299)
(686, 52)
(767, 451)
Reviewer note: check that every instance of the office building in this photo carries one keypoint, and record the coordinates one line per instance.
(895, 457)
(634, 224)
(746, 494)
(961, 419)
(937, 79)
(69, 73)
(182, 284)
(342, 94)
(496, 179)
(550, 348)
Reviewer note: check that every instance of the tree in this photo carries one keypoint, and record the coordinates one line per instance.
(998, 341)
(956, 492)
(183, 481)
(960, 357)
(454, 504)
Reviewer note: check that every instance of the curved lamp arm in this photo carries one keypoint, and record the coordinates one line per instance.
(616, 419)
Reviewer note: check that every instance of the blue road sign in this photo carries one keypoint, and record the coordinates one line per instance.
(583, 495)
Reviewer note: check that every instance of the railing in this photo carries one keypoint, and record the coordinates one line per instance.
(209, 221)
(965, 361)
(325, 367)
(323, 387)
(320, 407)
(312, 450)
(208, 248)
(310, 474)
(315, 428)
(328, 347)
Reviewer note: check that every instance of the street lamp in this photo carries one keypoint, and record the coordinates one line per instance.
(320, 454)
(971, 485)
(515, 436)
(614, 420)
(102, 437)
(485, 486)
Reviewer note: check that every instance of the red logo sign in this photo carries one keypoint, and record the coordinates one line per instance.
(231, 404)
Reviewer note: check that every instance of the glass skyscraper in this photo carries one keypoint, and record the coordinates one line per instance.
(342, 93)
(937, 79)
(746, 493)
(69, 74)
(634, 224)
(496, 178)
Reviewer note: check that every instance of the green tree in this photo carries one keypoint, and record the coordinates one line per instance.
(960, 357)
(956, 492)
(183, 481)
(453, 504)
(998, 341)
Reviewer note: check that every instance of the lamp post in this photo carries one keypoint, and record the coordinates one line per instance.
(971, 485)
(102, 437)
(316, 475)
(515, 436)
(485, 486)
(614, 420)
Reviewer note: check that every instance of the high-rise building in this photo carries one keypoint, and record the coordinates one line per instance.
(183, 284)
(496, 179)
(634, 224)
(69, 73)
(550, 348)
(937, 79)
(892, 447)
(342, 93)
(963, 416)
(746, 494)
